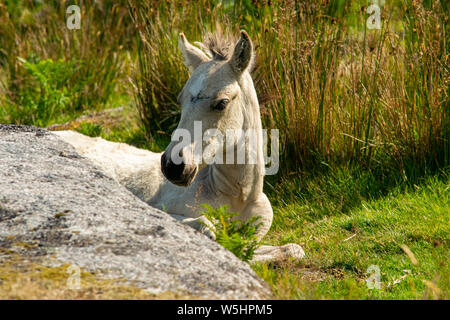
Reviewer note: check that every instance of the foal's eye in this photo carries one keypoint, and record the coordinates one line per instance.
(221, 104)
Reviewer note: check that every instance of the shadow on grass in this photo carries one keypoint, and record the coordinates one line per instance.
(331, 189)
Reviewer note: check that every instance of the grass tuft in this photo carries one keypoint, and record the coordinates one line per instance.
(236, 236)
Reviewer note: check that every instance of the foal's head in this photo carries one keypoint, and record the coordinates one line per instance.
(219, 95)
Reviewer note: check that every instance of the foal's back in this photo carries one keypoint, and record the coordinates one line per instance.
(136, 169)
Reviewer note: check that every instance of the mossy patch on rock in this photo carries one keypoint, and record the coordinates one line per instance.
(25, 278)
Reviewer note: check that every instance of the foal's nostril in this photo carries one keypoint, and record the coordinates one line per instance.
(171, 171)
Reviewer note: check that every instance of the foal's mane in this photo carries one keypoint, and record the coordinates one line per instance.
(219, 45)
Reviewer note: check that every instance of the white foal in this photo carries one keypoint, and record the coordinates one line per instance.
(220, 95)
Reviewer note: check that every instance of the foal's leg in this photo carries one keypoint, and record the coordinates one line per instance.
(262, 208)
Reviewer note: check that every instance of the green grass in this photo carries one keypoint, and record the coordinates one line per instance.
(342, 240)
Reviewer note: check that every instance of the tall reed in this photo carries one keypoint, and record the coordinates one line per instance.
(343, 92)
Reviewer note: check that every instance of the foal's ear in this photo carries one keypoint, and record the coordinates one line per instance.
(242, 55)
(193, 56)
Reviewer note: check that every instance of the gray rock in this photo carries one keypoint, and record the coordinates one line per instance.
(52, 197)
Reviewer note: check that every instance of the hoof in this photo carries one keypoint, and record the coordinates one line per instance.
(207, 232)
(278, 253)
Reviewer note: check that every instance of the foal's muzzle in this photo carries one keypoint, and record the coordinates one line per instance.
(180, 174)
